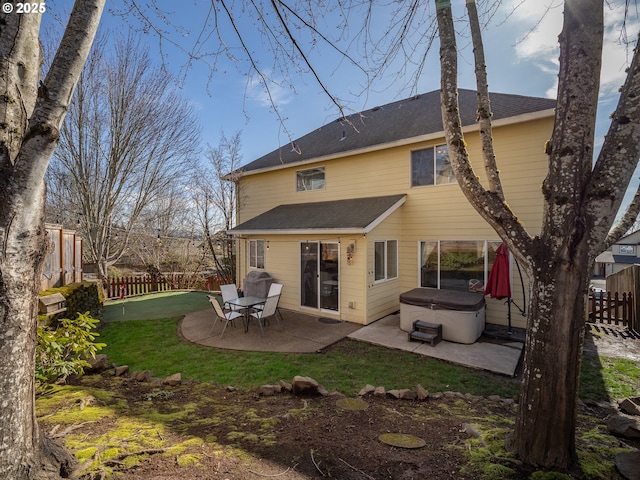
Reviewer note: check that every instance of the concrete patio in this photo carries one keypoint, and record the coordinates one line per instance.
(495, 356)
(301, 333)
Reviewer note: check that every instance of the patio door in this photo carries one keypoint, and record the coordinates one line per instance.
(319, 283)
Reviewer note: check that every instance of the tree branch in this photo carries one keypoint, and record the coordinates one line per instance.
(484, 105)
(616, 163)
(488, 204)
(61, 79)
(625, 223)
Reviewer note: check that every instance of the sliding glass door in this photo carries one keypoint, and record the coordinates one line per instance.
(319, 282)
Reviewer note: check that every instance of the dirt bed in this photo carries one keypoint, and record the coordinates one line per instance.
(136, 430)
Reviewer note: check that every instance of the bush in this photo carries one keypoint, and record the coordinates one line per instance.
(61, 350)
(80, 297)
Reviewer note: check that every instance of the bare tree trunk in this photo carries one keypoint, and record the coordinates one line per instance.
(545, 426)
(32, 117)
(580, 202)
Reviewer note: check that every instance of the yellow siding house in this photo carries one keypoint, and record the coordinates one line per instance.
(360, 210)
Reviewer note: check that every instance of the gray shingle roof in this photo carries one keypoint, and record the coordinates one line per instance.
(404, 119)
(349, 216)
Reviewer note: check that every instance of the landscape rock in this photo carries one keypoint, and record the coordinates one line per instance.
(99, 363)
(305, 385)
(230, 388)
(628, 464)
(270, 390)
(407, 394)
(121, 370)
(286, 386)
(144, 376)
(624, 426)
(402, 394)
(379, 392)
(366, 390)
(173, 380)
(394, 393)
(422, 392)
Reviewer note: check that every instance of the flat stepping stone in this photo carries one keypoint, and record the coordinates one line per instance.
(352, 404)
(402, 440)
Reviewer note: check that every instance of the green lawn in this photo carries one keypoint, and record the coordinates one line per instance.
(347, 367)
(145, 338)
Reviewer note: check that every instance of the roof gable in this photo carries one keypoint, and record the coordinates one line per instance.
(409, 118)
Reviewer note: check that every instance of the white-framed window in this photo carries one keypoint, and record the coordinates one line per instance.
(256, 253)
(456, 264)
(431, 166)
(626, 250)
(310, 179)
(385, 260)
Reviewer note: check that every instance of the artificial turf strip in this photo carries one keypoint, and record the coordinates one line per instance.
(156, 305)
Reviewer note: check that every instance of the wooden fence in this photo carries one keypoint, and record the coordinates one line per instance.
(627, 280)
(130, 286)
(63, 264)
(612, 309)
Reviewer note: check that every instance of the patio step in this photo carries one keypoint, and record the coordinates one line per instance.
(426, 332)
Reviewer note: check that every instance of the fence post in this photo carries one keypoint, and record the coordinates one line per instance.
(633, 312)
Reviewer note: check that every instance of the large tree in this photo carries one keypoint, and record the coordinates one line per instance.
(581, 201)
(129, 138)
(581, 198)
(31, 117)
(216, 197)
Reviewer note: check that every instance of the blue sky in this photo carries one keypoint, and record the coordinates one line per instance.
(520, 47)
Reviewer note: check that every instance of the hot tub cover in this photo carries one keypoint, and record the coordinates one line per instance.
(443, 299)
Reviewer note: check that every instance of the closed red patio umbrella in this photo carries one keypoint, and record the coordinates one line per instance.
(499, 281)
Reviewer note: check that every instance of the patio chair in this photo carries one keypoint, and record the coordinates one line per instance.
(226, 317)
(274, 289)
(229, 292)
(269, 310)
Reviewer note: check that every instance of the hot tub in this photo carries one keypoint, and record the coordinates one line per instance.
(461, 314)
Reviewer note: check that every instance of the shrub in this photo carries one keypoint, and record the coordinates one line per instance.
(80, 297)
(61, 350)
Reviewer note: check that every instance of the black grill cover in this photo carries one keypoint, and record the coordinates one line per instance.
(443, 299)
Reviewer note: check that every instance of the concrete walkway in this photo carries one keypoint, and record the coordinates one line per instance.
(300, 333)
(497, 357)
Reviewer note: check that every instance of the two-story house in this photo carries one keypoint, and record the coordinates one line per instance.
(360, 210)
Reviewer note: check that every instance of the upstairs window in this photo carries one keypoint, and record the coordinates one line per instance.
(310, 179)
(431, 166)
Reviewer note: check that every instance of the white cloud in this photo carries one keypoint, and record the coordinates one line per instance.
(274, 93)
(541, 23)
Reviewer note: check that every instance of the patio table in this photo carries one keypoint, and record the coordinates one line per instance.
(246, 303)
